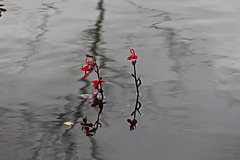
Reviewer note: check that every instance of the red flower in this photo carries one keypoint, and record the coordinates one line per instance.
(88, 55)
(89, 62)
(86, 68)
(96, 83)
(133, 56)
(132, 123)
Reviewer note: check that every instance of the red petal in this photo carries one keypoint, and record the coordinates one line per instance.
(95, 81)
(135, 57)
(82, 68)
(132, 51)
(129, 58)
(129, 120)
(90, 63)
(86, 68)
(95, 86)
(89, 69)
(85, 75)
(88, 55)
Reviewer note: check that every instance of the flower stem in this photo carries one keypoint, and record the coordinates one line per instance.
(137, 84)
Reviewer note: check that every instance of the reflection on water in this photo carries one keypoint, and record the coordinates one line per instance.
(39, 40)
(93, 36)
(93, 39)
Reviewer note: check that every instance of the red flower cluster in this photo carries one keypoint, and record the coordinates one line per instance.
(89, 64)
(97, 100)
(133, 56)
(132, 123)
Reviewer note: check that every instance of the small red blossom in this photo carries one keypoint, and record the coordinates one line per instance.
(90, 63)
(86, 68)
(133, 56)
(96, 83)
(88, 55)
(132, 123)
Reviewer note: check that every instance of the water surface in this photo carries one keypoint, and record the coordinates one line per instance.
(188, 60)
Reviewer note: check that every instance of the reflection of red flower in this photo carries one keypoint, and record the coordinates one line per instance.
(95, 103)
(133, 56)
(132, 123)
(93, 98)
(96, 83)
(86, 126)
(86, 68)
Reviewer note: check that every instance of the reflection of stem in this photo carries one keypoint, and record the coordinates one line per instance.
(97, 123)
(137, 83)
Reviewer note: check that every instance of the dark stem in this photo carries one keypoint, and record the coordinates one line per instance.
(137, 85)
(100, 82)
(97, 123)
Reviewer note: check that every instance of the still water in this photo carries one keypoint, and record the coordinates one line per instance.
(189, 56)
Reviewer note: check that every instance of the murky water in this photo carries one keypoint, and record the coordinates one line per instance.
(188, 58)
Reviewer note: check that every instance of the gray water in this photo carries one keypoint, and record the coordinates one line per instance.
(188, 60)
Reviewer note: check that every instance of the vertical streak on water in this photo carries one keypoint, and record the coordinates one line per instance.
(97, 30)
(34, 44)
(94, 50)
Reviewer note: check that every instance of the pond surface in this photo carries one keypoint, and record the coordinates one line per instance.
(189, 56)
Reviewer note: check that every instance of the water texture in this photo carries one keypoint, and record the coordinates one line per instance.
(189, 65)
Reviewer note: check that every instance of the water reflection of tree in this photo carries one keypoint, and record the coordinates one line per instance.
(94, 36)
(93, 40)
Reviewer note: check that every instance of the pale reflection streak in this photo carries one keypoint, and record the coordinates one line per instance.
(34, 44)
